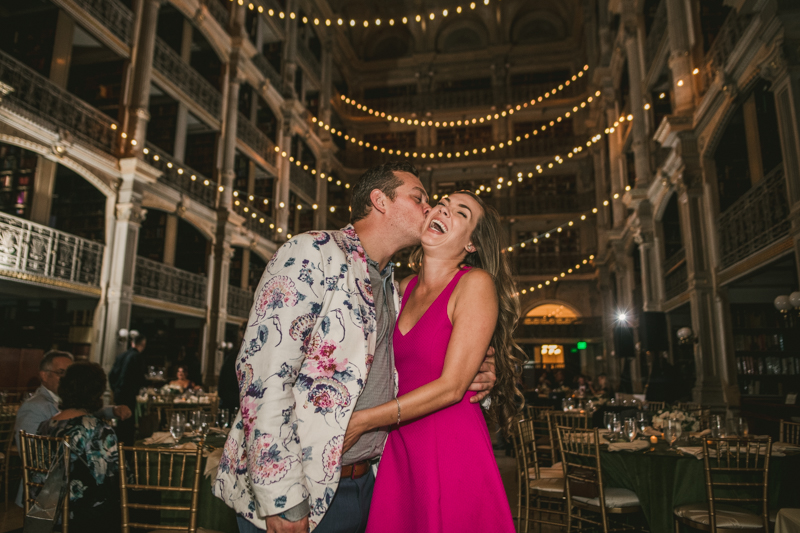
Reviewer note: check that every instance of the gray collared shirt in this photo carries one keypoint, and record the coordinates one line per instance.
(379, 387)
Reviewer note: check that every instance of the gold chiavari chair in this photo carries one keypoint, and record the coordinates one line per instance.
(655, 407)
(736, 471)
(688, 406)
(38, 455)
(540, 490)
(541, 429)
(790, 432)
(561, 418)
(580, 455)
(9, 408)
(6, 439)
(161, 472)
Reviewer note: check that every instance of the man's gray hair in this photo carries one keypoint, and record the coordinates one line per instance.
(47, 361)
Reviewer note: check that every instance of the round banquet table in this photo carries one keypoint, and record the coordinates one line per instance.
(664, 479)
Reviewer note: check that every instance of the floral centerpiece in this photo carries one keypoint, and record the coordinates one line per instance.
(170, 390)
(688, 421)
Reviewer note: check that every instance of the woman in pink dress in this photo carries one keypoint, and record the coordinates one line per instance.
(438, 473)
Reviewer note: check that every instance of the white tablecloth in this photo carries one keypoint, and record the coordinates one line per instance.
(788, 521)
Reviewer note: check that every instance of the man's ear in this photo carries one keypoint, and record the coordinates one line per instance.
(378, 200)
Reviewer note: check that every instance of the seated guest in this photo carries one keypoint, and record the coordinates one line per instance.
(581, 385)
(94, 457)
(44, 403)
(602, 388)
(544, 383)
(182, 380)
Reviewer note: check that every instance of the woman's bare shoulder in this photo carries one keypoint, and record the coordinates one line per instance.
(404, 283)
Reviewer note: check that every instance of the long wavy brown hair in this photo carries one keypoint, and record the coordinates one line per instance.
(507, 400)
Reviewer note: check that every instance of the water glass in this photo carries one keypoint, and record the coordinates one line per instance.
(194, 419)
(630, 429)
(742, 429)
(608, 420)
(224, 418)
(642, 420)
(206, 423)
(177, 424)
(673, 431)
(717, 426)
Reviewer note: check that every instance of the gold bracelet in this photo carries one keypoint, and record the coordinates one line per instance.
(398, 410)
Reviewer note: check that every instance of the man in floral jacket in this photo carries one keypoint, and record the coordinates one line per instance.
(322, 319)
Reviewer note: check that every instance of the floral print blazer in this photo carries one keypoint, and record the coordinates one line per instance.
(305, 357)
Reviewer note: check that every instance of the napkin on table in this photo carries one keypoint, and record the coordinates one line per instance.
(634, 446)
(697, 451)
(212, 463)
(159, 437)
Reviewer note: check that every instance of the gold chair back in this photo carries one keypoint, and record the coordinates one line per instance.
(6, 438)
(655, 407)
(688, 406)
(528, 469)
(38, 455)
(790, 432)
(561, 418)
(160, 470)
(541, 430)
(736, 471)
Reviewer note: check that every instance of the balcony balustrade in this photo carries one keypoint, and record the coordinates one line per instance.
(163, 282)
(756, 220)
(532, 264)
(303, 180)
(37, 253)
(179, 176)
(219, 12)
(186, 79)
(542, 204)
(582, 328)
(258, 224)
(308, 57)
(526, 93)
(728, 37)
(39, 100)
(239, 302)
(676, 275)
(111, 14)
(255, 139)
(269, 72)
(657, 32)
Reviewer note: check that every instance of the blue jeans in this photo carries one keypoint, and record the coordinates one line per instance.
(347, 513)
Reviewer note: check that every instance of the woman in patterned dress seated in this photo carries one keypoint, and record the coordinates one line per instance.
(94, 502)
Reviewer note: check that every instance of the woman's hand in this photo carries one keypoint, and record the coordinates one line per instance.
(356, 428)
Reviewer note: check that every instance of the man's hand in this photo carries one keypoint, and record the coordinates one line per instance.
(122, 412)
(486, 378)
(276, 524)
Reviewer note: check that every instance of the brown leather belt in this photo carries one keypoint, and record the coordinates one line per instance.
(356, 470)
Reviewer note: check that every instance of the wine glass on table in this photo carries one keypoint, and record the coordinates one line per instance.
(177, 424)
(206, 422)
(630, 429)
(673, 431)
(642, 420)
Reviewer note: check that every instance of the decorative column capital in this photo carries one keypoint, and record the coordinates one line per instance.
(131, 212)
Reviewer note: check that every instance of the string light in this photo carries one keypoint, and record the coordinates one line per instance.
(443, 154)
(561, 277)
(478, 119)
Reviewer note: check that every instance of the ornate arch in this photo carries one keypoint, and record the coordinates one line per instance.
(65, 160)
(551, 301)
(462, 35)
(538, 27)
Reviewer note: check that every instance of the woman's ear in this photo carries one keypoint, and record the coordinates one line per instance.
(470, 248)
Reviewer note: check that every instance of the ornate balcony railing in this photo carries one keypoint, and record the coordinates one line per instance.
(542, 204)
(303, 180)
(755, 220)
(308, 57)
(422, 102)
(179, 176)
(538, 147)
(256, 221)
(728, 37)
(676, 275)
(39, 100)
(525, 93)
(218, 11)
(39, 253)
(525, 264)
(163, 282)
(582, 328)
(239, 302)
(255, 139)
(112, 14)
(186, 79)
(656, 35)
(269, 72)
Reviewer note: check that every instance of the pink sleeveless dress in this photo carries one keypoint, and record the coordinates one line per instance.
(438, 473)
